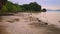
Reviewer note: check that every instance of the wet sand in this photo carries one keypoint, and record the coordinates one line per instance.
(27, 24)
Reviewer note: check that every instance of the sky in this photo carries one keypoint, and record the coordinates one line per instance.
(48, 4)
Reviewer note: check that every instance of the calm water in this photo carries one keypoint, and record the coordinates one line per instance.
(52, 17)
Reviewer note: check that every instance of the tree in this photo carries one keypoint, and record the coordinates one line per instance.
(44, 10)
(34, 6)
(10, 7)
(2, 2)
(26, 7)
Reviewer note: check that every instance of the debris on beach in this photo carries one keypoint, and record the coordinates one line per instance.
(29, 25)
(16, 19)
(10, 21)
(13, 20)
(59, 21)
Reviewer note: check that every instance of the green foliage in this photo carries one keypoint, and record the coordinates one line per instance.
(44, 10)
(17, 8)
(2, 2)
(4, 9)
(10, 7)
(32, 7)
(26, 7)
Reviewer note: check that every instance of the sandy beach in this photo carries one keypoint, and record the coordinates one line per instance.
(29, 23)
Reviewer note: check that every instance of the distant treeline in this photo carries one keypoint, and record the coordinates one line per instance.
(31, 7)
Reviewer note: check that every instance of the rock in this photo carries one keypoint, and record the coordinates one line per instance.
(46, 23)
(16, 19)
(39, 20)
(58, 21)
(10, 21)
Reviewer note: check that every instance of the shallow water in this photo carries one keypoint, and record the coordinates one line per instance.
(50, 17)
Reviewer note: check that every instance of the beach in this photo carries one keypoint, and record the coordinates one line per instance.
(31, 23)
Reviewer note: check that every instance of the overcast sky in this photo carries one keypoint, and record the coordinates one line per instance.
(48, 4)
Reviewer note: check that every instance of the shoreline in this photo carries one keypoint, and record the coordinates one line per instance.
(22, 25)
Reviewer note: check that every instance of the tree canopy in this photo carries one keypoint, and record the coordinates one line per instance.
(2, 2)
(32, 7)
(11, 7)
